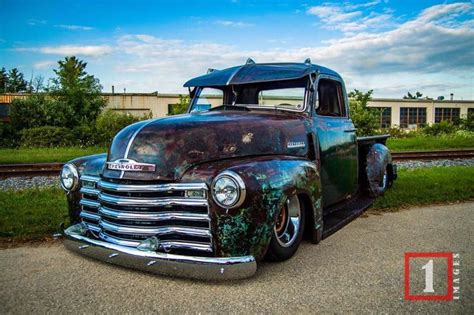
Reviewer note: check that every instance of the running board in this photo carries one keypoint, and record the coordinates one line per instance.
(338, 219)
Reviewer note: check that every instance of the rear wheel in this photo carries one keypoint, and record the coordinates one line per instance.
(288, 230)
(379, 185)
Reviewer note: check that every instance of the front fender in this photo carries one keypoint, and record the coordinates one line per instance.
(91, 165)
(247, 230)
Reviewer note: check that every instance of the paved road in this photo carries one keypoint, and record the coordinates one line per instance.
(358, 269)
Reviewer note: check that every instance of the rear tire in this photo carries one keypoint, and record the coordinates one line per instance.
(287, 231)
(380, 185)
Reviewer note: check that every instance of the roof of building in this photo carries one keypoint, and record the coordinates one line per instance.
(252, 72)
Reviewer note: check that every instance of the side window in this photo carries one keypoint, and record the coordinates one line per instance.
(208, 98)
(330, 98)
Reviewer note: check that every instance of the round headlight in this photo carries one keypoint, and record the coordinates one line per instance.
(69, 177)
(228, 190)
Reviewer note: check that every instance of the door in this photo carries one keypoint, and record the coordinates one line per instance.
(337, 142)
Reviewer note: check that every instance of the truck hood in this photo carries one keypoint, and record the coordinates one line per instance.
(175, 143)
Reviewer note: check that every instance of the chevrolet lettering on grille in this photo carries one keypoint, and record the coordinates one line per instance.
(130, 166)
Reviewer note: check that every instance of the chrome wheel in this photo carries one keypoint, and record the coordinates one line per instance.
(288, 223)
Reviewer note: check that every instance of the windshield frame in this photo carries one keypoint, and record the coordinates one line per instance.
(229, 89)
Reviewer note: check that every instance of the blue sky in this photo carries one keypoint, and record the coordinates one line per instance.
(145, 46)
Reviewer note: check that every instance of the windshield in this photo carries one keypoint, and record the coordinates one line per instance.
(291, 97)
(284, 95)
(208, 98)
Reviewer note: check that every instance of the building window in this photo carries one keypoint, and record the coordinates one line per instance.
(3, 112)
(412, 117)
(470, 111)
(385, 117)
(446, 114)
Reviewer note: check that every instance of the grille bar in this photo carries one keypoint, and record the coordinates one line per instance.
(158, 231)
(150, 202)
(152, 216)
(150, 188)
(89, 215)
(89, 203)
(89, 191)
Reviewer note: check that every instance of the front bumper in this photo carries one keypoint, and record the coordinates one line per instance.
(207, 268)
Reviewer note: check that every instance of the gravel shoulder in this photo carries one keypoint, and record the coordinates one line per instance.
(358, 269)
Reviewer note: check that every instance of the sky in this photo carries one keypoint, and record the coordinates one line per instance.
(389, 46)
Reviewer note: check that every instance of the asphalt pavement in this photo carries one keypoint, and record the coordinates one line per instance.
(358, 269)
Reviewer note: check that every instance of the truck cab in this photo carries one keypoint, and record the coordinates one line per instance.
(266, 155)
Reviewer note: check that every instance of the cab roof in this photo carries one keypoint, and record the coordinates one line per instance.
(252, 72)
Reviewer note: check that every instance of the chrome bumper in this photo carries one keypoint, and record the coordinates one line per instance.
(207, 268)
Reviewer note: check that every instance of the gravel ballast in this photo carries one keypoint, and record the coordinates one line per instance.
(18, 183)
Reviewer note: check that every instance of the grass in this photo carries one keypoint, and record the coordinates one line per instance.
(426, 186)
(45, 155)
(36, 214)
(430, 143)
(31, 214)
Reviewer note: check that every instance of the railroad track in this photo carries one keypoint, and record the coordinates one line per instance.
(40, 169)
(433, 155)
(52, 169)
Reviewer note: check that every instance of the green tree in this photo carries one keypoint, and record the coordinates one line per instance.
(181, 107)
(366, 120)
(415, 96)
(3, 80)
(16, 81)
(37, 84)
(77, 91)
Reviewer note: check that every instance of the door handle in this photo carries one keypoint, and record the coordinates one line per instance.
(350, 130)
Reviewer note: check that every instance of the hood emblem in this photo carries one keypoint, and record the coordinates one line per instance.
(295, 144)
(130, 166)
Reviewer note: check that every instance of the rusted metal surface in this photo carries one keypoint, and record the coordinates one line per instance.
(176, 143)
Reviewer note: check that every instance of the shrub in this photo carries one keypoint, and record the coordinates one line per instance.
(395, 132)
(47, 136)
(27, 112)
(437, 129)
(181, 107)
(468, 122)
(366, 120)
(85, 135)
(110, 122)
(8, 136)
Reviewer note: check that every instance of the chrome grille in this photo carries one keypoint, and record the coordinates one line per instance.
(128, 213)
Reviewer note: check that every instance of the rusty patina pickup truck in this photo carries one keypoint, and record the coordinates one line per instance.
(266, 155)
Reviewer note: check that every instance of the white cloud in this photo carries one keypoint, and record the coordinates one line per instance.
(348, 19)
(75, 27)
(233, 23)
(35, 22)
(431, 52)
(71, 50)
(44, 64)
(413, 52)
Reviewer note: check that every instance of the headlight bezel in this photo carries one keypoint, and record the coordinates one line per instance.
(72, 168)
(240, 185)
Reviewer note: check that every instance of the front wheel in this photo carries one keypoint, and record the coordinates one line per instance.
(288, 230)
